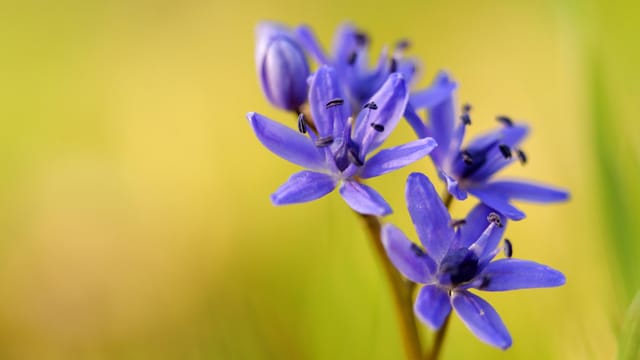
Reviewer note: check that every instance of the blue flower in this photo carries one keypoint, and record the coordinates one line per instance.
(350, 59)
(282, 66)
(336, 149)
(456, 261)
(470, 168)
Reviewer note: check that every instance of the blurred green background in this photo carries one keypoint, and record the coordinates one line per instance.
(135, 221)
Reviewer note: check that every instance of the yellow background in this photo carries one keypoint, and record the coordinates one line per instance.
(135, 221)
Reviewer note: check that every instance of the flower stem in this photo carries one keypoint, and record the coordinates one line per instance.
(402, 291)
(439, 339)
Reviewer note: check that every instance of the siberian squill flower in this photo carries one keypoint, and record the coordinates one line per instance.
(470, 168)
(282, 66)
(456, 261)
(350, 59)
(335, 149)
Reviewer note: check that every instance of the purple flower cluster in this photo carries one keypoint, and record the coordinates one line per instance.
(346, 110)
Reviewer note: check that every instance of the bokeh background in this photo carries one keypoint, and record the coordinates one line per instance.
(134, 213)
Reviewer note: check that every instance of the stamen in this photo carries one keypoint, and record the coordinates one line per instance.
(465, 117)
(403, 44)
(394, 65)
(377, 127)
(466, 107)
(505, 150)
(416, 250)
(522, 157)
(370, 105)
(495, 218)
(302, 124)
(485, 282)
(508, 248)
(334, 102)
(361, 38)
(324, 141)
(352, 155)
(467, 158)
(352, 58)
(505, 120)
(457, 223)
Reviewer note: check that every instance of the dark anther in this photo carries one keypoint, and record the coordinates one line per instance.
(508, 248)
(457, 223)
(324, 141)
(377, 127)
(505, 120)
(495, 218)
(403, 44)
(394, 65)
(467, 158)
(522, 157)
(485, 282)
(416, 250)
(370, 105)
(353, 157)
(352, 58)
(466, 119)
(505, 150)
(361, 38)
(466, 107)
(334, 102)
(302, 125)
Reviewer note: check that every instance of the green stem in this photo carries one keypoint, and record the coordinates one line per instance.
(402, 291)
(439, 339)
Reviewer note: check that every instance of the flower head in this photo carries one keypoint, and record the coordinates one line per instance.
(350, 59)
(470, 168)
(459, 257)
(282, 66)
(336, 149)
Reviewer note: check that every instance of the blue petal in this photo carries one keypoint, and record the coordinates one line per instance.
(480, 317)
(406, 256)
(432, 306)
(394, 158)
(283, 73)
(476, 224)
(452, 186)
(521, 190)
(286, 143)
(442, 119)
(391, 100)
(416, 122)
(330, 121)
(364, 199)
(302, 187)
(513, 274)
(498, 202)
(265, 32)
(344, 43)
(429, 215)
(440, 90)
(510, 136)
(310, 43)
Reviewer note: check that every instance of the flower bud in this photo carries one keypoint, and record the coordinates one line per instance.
(282, 66)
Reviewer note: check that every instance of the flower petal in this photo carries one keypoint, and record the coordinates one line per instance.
(406, 256)
(394, 158)
(440, 90)
(432, 306)
(521, 190)
(415, 122)
(286, 143)
(429, 215)
(513, 274)
(309, 41)
(364, 199)
(329, 120)
(498, 202)
(481, 318)
(373, 126)
(303, 186)
(476, 223)
(452, 186)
